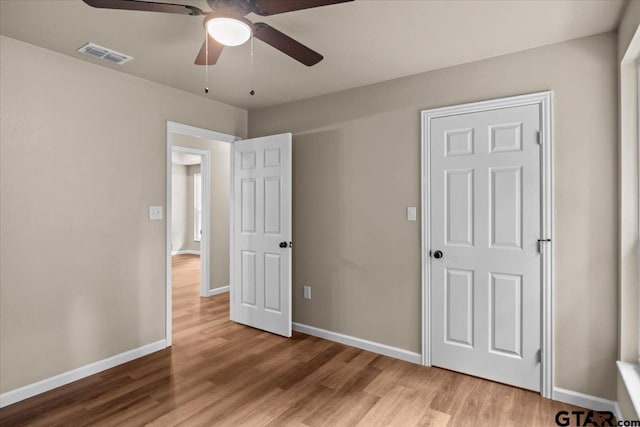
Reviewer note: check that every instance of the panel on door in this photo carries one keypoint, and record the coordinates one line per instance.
(485, 302)
(261, 258)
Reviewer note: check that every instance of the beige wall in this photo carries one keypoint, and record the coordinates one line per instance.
(220, 208)
(183, 208)
(82, 269)
(628, 54)
(220, 182)
(178, 207)
(356, 157)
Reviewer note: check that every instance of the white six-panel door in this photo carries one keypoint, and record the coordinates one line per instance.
(485, 189)
(261, 252)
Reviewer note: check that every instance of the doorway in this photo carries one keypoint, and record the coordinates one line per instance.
(487, 288)
(254, 247)
(198, 241)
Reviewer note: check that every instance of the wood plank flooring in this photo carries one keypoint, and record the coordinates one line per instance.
(224, 374)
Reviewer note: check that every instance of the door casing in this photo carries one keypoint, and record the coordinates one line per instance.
(544, 101)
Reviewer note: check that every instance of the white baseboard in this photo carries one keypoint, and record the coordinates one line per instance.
(217, 291)
(374, 347)
(45, 385)
(584, 400)
(185, 251)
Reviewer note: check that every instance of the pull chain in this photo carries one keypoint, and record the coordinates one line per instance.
(206, 61)
(252, 92)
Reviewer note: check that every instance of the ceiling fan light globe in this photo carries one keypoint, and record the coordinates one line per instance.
(229, 31)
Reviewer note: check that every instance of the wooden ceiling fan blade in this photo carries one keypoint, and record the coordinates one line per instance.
(147, 6)
(286, 44)
(273, 7)
(215, 49)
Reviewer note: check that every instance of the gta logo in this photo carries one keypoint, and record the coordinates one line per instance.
(591, 418)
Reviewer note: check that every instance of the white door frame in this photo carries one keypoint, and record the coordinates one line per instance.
(172, 128)
(205, 194)
(543, 100)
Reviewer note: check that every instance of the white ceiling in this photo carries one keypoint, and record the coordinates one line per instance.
(184, 159)
(363, 42)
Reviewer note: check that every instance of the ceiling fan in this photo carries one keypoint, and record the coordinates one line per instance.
(226, 24)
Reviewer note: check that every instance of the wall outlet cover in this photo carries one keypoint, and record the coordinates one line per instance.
(412, 214)
(155, 213)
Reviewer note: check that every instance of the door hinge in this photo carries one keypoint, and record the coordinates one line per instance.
(540, 242)
(539, 356)
(538, 140)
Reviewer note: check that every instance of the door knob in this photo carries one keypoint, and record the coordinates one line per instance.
(283, 244)
(438, 254)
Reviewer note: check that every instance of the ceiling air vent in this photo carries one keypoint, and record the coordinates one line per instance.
(100, 52)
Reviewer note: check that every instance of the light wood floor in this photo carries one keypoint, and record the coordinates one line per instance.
(222, 373)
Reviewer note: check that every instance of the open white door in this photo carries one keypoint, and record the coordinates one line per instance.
(261, 248)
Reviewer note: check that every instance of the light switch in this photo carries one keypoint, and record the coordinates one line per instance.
(411, 214)
(307, 292)
(155, 213)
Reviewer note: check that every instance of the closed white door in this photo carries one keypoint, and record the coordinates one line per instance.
(485, 264)
(261, 257)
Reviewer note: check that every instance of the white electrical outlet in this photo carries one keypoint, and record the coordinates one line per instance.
(307, 292)
(155, 213)
(411, 214)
